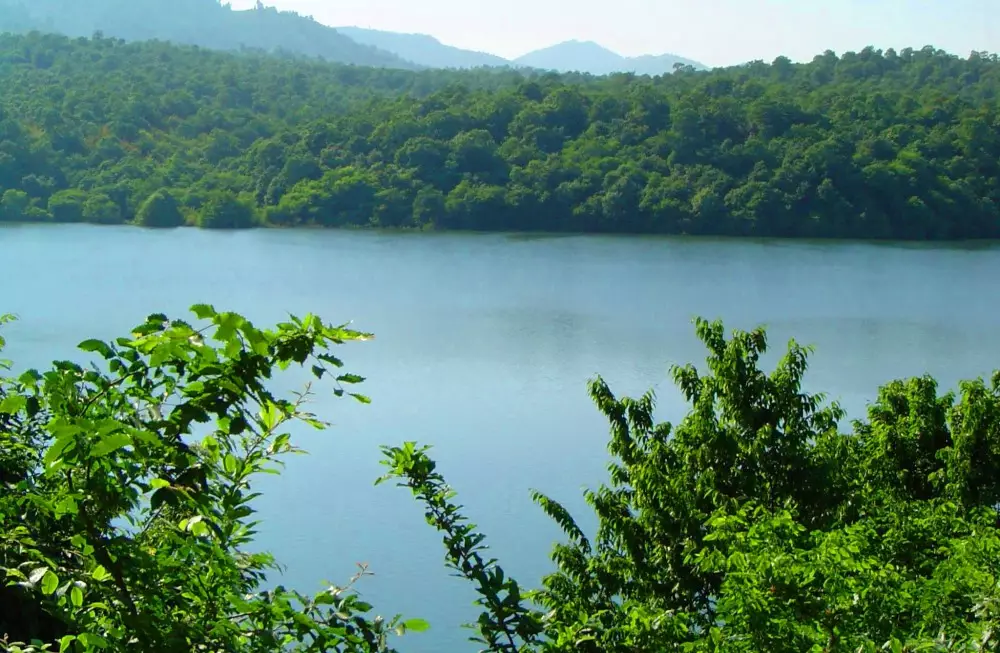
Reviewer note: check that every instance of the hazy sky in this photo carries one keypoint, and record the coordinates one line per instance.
(714, 32)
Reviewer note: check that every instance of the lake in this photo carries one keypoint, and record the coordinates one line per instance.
(484, 345)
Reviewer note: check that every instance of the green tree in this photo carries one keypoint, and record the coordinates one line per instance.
(100, 209)
(67, 205)
(14, 205)
(159, 210)
(223, 210)
(126, 514)
(754, 524)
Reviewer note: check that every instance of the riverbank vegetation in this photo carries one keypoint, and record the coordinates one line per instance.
(753, 524)
(865, 145)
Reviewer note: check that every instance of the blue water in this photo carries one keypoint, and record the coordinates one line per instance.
(484, 345)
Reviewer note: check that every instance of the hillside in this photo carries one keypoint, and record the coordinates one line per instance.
(866, 145)
(196, 22)
(589, 57)
(422, 50)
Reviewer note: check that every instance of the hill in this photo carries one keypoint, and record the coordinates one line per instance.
(196, 22)
(870, 144)
(422, 50)
(589, 57)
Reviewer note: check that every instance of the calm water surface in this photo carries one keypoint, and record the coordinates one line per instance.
(484, 347)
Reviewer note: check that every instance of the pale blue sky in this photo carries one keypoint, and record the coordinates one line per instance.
(715, 32)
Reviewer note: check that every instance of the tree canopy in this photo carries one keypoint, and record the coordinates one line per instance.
(753, 524)
(870, 144)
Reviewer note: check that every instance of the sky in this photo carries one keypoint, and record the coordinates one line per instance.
(713, 32)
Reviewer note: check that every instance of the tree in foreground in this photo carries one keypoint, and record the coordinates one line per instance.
(126, 509)
(754, 524)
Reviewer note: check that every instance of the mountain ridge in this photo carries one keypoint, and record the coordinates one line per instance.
(204, 23)
(422, 49)
(568, 56)
(600, 60)
(207, 23)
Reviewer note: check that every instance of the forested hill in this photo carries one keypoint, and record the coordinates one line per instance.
(869, 144)
(205, 23)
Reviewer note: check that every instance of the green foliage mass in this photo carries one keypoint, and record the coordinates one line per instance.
(871, 144)
(754, 524)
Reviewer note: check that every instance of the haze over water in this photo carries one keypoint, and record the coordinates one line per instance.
(484, 345)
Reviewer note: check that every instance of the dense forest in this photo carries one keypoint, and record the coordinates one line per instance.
(752, 525)
(869, 144)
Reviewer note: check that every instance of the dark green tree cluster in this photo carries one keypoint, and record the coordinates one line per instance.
(865, 145)
(754, 524)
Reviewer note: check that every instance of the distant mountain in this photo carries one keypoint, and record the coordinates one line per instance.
(195, 22)
(209, 24)
(589, 57)
(422, 49)
(571, 56)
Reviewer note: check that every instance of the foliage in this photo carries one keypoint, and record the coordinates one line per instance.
(159, 210)
(867, 144)
(754, 524)
(126, 512)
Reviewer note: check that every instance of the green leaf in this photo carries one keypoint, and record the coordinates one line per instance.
(93, 641)
(199, 529)
(50, 582)
(59, 447)
(416, 625)
(13, 404)
(158, 483)
(110, 443)
(31, 377)
(66, 642)
(99, 346)
(76, 596)
(203, 311)
(270, 416)
(100, 574)
(229, 464)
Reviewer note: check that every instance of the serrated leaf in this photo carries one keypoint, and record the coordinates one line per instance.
(111, 443)
(203, 311)
(98, 346)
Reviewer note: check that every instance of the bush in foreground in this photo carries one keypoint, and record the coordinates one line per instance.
(754, 524)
